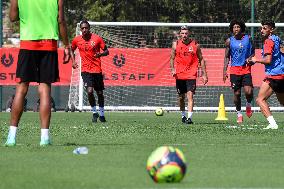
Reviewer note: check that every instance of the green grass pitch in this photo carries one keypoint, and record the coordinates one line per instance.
(219, 154)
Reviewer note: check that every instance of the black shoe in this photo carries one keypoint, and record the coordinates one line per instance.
(102, 118)
(95, 117)
(186, 120)
(183, 119)
(189, 121)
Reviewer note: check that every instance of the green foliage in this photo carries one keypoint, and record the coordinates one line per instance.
(176, 11)
(99, 11)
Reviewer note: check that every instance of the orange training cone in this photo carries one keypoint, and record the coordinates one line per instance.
(221, 110)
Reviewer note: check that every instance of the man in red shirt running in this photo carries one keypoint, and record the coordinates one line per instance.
(185, 58)
(91, 47)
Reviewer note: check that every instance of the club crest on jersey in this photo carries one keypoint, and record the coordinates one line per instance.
(93, 43)
(241, 45)
(190, 49)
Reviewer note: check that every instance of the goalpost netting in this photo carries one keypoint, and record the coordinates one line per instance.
(137, 72)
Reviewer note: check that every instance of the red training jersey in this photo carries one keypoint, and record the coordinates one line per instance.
(88, 49)
(268, 46)
(186, 60)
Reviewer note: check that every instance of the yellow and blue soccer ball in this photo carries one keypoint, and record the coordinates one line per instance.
(159, 112)
(166, 164)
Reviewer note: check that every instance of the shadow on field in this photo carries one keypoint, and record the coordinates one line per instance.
(212, 123)
(89, 144)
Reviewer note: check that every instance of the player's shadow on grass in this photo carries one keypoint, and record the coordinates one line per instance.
(89, 144)
(213, 123)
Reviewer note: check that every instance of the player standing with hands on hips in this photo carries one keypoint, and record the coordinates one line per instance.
(91, 47)
(186, 56)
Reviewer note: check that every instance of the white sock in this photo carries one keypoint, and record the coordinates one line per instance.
(94, 109)
(248, 104)
(102, 111)
(271, 120)
(44, 134)
(239, 113)
(190, 114)
(12, 132)
(183, 114)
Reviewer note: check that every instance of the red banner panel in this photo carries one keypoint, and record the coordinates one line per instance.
(133, 67)
(137, 67)
(151, 67)
(9, 59)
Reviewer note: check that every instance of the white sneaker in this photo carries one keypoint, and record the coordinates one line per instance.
(271, 127)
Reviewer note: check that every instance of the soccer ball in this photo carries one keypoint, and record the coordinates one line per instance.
(159, 112)
(166, 164)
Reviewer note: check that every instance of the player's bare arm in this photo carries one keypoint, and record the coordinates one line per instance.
(203, 64)
(104, 53)
(265, 60)
(226, 59)
(172, 59)
(282, 47)
(73, 48)
(63, 33)
(14, 11)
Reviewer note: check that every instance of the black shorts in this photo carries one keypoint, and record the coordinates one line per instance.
(277, 85)
(94, 80)
(37, 66)
(183, 86)
(239, 81)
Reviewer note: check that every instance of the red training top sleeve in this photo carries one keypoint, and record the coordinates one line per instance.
(74, 44)
(268, 46)
(102, 43)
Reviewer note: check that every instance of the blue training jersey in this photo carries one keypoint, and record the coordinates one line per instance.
(240, 50)
(276, 67)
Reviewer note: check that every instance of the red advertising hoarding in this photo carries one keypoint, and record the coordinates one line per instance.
(132, 67)
(9, 59)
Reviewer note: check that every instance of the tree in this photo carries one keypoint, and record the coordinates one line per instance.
(176, 11)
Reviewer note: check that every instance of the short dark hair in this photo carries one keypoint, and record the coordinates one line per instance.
(185, 27)
(269, 23)
(84, 22)
(237, 22)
